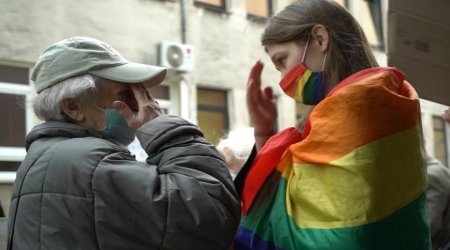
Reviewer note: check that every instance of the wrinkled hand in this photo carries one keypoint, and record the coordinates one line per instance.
(148, 107)
(260, 104)
(446, 116)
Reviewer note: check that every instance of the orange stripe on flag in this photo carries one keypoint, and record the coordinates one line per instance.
(356, 115)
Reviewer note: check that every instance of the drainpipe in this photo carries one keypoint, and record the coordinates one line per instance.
(183, 20)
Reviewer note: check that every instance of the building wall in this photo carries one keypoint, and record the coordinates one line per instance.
(226, 44)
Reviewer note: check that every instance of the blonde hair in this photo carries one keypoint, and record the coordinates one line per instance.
(348, 51)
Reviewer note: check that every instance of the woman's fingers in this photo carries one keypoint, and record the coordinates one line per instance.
(267, 105)
(252, 92)
(255, 72)
(260, 102)
(254, 85)
(268, 93)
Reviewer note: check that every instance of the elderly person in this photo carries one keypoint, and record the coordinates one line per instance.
(80, 188)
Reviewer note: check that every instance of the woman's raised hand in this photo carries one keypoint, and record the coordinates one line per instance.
(261, 106)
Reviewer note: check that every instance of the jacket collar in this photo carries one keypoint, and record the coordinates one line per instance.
(59, 129)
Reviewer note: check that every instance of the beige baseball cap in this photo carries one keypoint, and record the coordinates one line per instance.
(84, 55)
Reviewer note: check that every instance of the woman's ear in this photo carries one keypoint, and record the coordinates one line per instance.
(320, 33)
(72, 108)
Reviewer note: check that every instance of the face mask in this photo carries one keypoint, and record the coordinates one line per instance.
(116, 127)
(304, 85)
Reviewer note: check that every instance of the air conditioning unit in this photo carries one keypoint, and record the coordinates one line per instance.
(176, 56)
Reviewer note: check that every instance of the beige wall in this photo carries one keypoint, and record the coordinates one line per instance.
(226, 45)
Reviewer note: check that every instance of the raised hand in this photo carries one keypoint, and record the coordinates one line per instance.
(148, 107)
(261, 106)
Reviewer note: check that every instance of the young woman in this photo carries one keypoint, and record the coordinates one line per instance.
(353, 176)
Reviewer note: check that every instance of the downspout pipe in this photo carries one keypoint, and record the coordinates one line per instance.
(183, 20)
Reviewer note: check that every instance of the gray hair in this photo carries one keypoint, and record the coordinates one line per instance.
(46, 104)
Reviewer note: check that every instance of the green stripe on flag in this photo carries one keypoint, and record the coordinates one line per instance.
(408, 229)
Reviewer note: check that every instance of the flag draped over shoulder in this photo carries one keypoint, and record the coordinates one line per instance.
(354, 179)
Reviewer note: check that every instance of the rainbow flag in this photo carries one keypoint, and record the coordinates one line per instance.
(353, 179)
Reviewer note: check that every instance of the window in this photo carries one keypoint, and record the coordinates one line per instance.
(373, 26)
(212, 113)
(162, 94)
(13, 114)
(440, 142)
(259, 8)
(215, 5)
(17, 115)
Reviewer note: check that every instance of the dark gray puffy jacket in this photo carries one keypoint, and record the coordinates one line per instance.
(75, 190)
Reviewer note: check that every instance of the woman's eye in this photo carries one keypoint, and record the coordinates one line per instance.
(280, 62)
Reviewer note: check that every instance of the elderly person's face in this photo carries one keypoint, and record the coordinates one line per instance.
(107, 93)
(89, 111)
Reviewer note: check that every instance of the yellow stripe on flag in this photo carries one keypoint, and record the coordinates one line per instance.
(366, 185)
